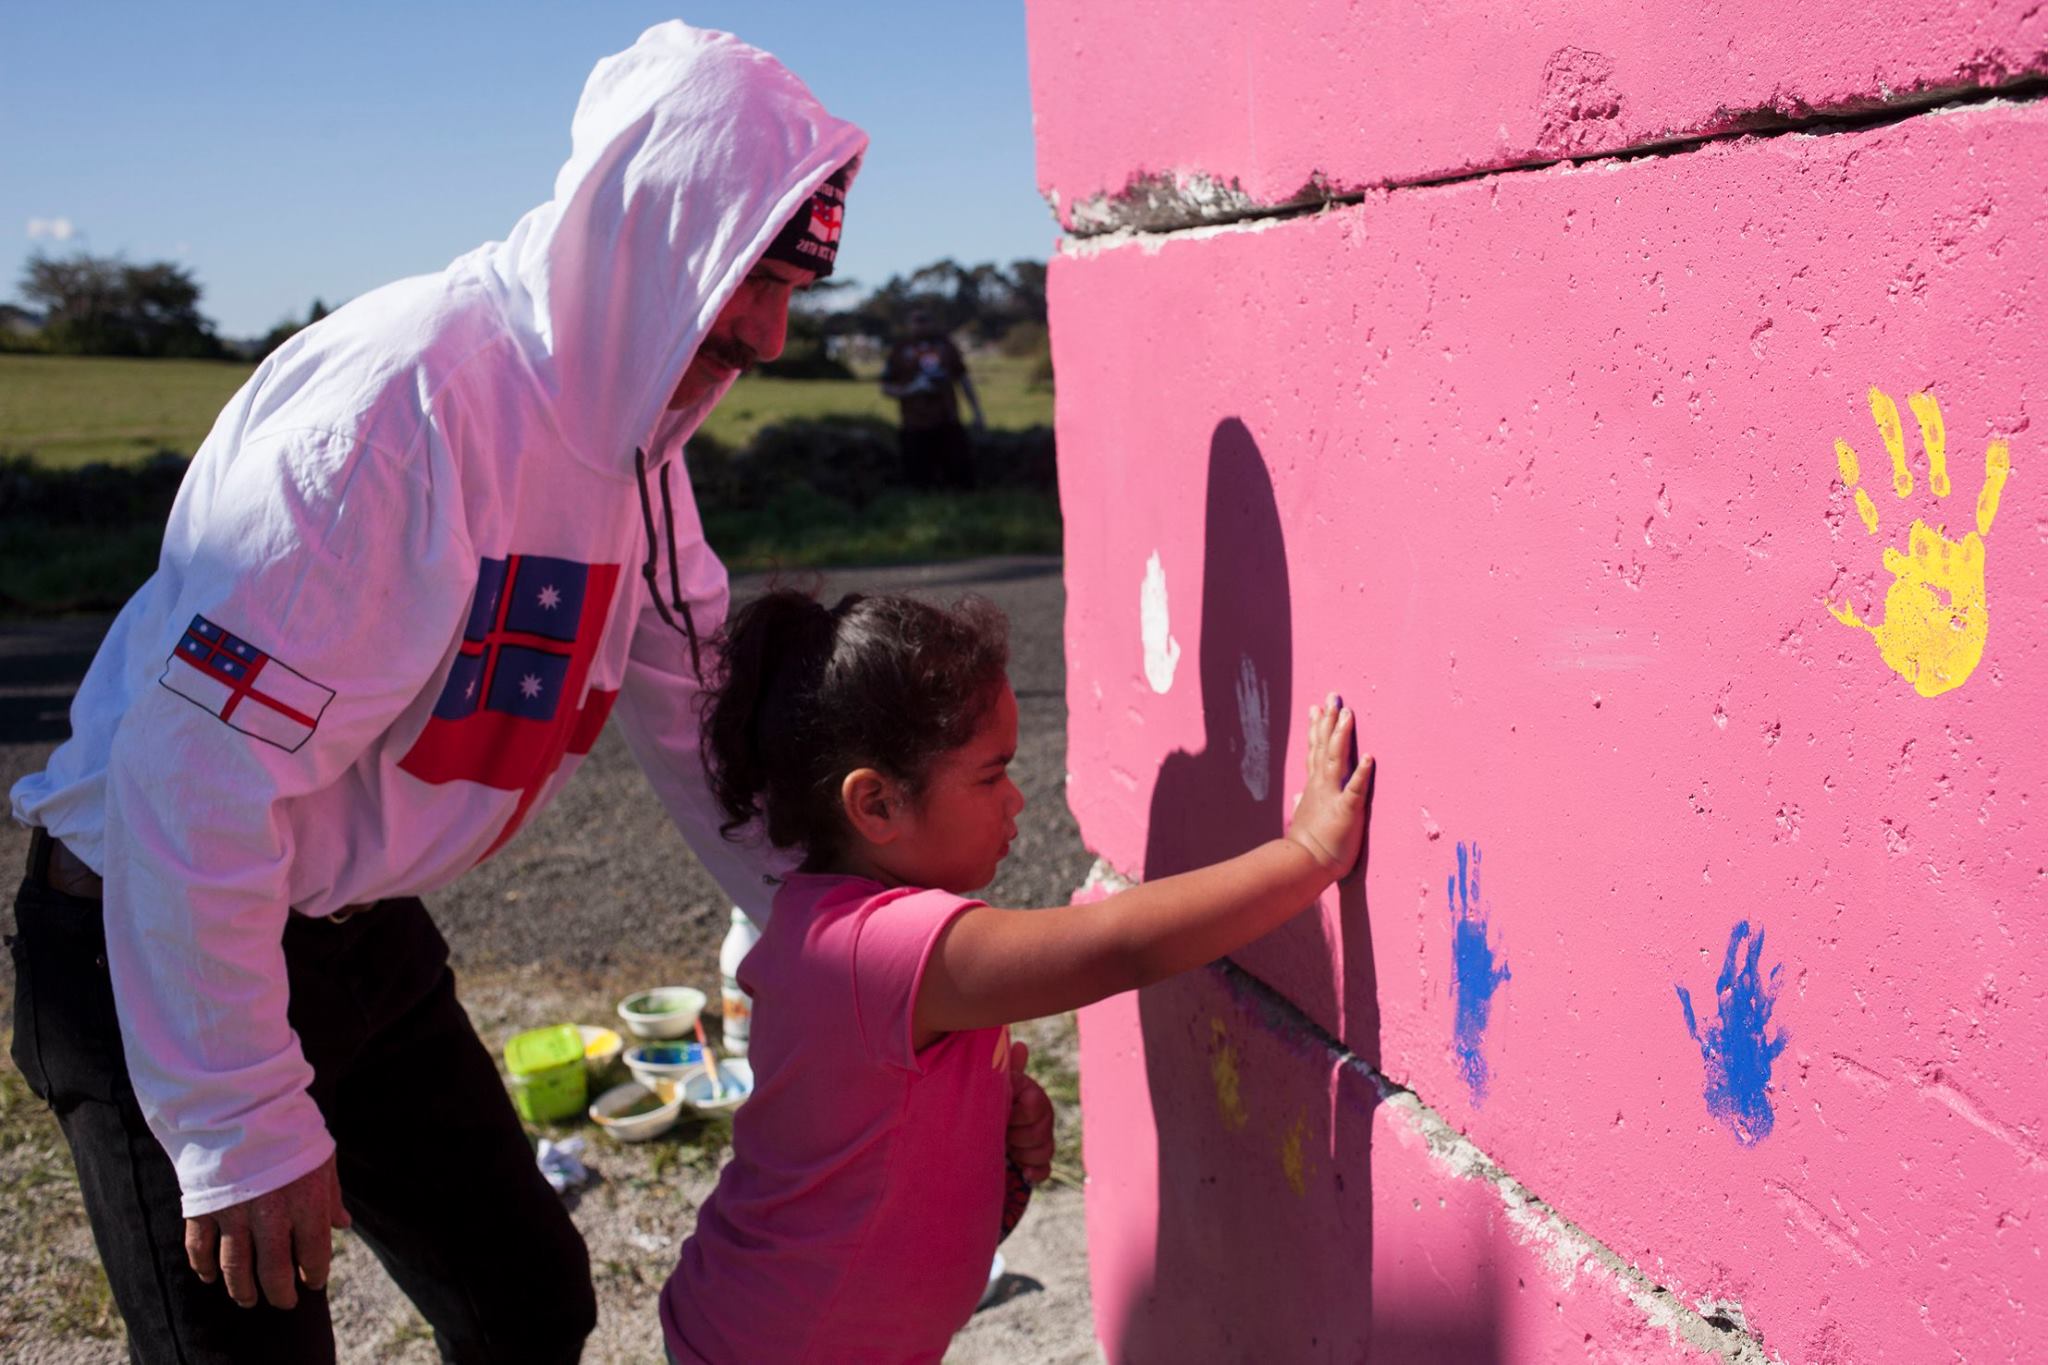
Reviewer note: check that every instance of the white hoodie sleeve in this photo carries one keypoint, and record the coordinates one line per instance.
(658, 714)
(324, 565)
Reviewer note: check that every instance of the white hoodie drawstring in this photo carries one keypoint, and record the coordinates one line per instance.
(688, 628)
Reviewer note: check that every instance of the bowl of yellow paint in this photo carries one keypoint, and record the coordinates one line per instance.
(634, 1113)
(601, 1048)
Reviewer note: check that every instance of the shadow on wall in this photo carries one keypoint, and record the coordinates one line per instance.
(1265, 1224)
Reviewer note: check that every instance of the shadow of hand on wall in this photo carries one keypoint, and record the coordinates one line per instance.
(1265, 1203)
(1234, 1276)
(1235, 793)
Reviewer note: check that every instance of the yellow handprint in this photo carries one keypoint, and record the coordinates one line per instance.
(1934, 625)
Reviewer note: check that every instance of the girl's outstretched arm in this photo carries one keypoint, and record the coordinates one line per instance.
(995, 966)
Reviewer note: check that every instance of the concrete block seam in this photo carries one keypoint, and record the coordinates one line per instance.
(1714, 1328)
(1153, 209)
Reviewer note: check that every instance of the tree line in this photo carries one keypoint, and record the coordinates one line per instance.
(99, 305)
(103, 305)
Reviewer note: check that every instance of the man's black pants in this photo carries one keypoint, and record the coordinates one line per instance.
(434, 1166)
(937, 457)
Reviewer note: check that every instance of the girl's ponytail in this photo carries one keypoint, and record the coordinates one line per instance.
(801, 695)
(772, 655)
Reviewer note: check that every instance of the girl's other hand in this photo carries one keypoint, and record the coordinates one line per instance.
(1329, 820)
(1029, 1142)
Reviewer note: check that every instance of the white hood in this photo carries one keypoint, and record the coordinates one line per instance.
(337, 526)
(690, 150)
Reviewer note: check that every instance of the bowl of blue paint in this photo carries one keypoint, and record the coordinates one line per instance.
(658, 1061)
(735, 1083)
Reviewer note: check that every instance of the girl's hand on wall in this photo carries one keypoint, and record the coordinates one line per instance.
(1329, 820)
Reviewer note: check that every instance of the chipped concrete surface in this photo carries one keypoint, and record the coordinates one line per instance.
(1550, 462)
(1240, 117)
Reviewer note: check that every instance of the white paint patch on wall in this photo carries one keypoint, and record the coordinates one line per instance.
(1254, 714)
(1162, 651)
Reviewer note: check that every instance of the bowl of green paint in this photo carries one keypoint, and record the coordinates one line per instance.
(664, 1012)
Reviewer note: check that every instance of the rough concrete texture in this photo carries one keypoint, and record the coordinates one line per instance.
(1705, 893)
(1154, 113)
(1451, 1260)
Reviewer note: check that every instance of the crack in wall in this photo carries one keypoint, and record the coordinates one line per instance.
(1715, 1327)
(1156, 207)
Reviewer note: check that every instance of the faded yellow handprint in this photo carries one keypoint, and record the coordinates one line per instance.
(1934, 625)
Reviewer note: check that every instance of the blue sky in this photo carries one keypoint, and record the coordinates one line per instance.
(285, 151)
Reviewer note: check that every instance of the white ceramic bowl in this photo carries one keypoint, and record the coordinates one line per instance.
(735, 1073)
(601, 1047)
(664, 1061)
(609, 1111)
(664, 1012)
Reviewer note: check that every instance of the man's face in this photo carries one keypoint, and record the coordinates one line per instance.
(749, 330)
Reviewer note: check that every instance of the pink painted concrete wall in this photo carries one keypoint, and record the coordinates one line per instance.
(1707, 916)
(1254, 103)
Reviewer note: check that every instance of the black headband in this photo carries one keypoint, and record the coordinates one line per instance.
(810, 241)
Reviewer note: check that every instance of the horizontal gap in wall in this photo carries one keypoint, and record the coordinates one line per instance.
(1718, 1335)
(1715, 1328)
(2031, 89)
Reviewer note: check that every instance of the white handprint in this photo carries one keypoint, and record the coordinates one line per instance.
(1256, 764)
(1162, 651)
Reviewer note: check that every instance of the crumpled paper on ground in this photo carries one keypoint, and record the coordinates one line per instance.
(561, 1164)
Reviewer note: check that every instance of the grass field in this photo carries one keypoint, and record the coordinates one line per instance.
(71, 410)
(65, 412)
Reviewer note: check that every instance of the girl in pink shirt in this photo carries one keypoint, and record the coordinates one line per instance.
(867, 1187)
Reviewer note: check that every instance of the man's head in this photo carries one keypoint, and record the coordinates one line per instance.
(921, 323)
(750, 329)
(755, 320)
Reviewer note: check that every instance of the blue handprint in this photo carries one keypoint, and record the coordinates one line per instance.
(1740, 1048)
(1475, 974)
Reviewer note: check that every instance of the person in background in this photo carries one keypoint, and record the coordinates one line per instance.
(922, 374)
(892, 1137)
(424, 552)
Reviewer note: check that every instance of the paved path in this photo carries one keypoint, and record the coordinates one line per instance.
(600, 889)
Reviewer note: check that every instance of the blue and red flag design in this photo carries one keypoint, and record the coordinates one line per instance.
(227, 676)
(515, 702)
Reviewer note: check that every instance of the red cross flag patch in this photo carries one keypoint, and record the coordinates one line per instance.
(827, 220)
(228, 677)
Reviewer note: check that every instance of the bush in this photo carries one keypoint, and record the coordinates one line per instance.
(82, 539)
(808, 363)
(850, 459)
(853, 460)
(95, 496)
(802, 493)
(805, 529)
(1016, 459)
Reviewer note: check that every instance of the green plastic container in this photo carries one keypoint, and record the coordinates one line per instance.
(549, 1082)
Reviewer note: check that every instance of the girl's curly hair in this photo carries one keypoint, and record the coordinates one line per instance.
(801, 695)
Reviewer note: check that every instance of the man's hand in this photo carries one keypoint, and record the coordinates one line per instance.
(1029, 1142)
(271, 1242)
(1329, 822)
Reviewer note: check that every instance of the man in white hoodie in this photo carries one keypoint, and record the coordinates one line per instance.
(426, 550)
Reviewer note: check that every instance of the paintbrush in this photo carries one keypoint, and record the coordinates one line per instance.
(710, 1066)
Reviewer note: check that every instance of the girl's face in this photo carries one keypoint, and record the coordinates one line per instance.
(963, 826)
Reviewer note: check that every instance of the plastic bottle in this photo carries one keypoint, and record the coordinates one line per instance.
(739, 1006)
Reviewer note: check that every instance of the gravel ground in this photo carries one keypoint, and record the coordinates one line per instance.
(596, 898)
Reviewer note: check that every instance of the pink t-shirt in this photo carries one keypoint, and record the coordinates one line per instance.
(862, 1205)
